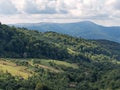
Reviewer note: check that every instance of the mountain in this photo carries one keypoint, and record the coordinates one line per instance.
(32, 60)
(85, 29)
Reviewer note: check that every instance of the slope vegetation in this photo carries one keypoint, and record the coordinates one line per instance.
(31, 60)
(22, 43)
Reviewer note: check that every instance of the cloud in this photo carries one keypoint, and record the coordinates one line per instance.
(7, 7)
(61, 10)
(30, 7)
(113, 4)
(43, 7)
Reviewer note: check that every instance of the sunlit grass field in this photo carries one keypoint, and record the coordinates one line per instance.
(7, 65)
(10, 67)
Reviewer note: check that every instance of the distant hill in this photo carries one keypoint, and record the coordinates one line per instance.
(85, 29)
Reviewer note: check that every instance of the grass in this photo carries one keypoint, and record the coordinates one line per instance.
(14, 69)
(45, 66)
(27, 71)
(50, 68)
(61, 63)
(70, 51)
(116, 62)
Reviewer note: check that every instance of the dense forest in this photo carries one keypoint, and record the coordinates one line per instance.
(98, 61)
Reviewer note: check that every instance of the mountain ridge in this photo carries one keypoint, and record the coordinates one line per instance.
(85, 29)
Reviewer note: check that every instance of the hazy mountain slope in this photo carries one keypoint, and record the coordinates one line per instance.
(86, 29)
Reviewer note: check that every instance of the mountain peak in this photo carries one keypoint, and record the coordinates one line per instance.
(87, 23)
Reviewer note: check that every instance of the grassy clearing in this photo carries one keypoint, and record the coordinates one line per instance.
(14, 69)
(61, 63)
(116, 62)
(70, 51)
(27, 71)
(49, 68)
(46, 67)
(46, 62)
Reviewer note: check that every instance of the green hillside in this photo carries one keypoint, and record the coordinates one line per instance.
(22, 43)
(31, 60)
(26, 74)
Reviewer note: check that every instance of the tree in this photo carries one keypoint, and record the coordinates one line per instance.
(39, 86)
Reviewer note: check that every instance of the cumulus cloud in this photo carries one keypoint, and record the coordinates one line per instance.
(63, 10)
(7, 7)
(113, 4)
(43, 7)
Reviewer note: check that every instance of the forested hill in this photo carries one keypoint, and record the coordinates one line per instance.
(31, 60)
(23, 43)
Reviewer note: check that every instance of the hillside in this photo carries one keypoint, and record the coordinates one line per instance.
(32, 60)
(41, 74)
(85, 29)
(22, 43)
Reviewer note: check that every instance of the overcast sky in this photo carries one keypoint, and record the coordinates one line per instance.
(105, 12)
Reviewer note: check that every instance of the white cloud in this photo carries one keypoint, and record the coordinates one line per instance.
(61, 10)
(7, 7)
(113, 4)
(42, 7)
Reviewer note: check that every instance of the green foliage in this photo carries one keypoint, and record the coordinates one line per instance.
(92, 76)
(23, 43)
(95, 60)
(39, 86)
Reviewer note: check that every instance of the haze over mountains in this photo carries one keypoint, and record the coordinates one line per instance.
(85, 29)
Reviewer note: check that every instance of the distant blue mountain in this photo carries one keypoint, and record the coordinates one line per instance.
(86, 29)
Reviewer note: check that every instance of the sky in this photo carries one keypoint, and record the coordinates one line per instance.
(104, 12)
